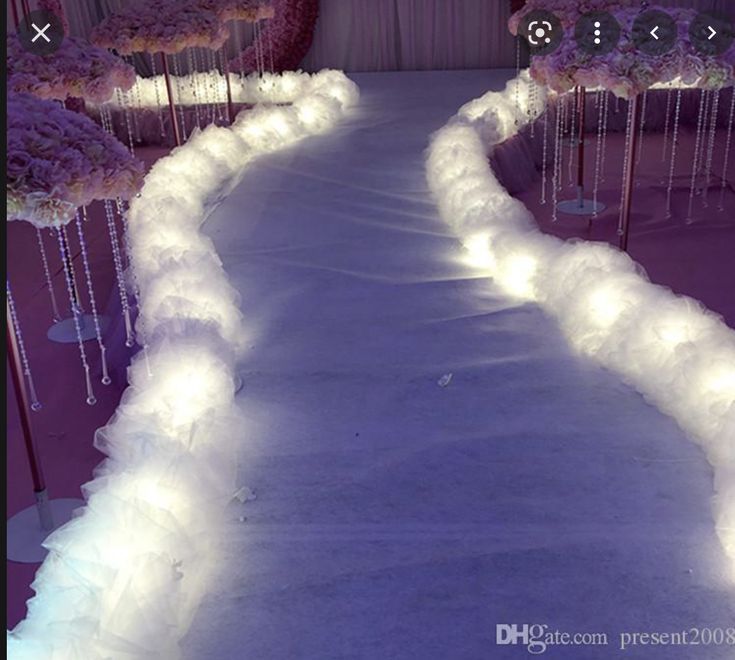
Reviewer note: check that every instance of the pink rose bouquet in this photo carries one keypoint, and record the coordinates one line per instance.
(167, 26)
(58, 160)
(76, 69)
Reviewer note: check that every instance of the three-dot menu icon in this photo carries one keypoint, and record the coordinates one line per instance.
(597, 33)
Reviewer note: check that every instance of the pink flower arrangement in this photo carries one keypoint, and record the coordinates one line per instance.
(58, 160)
(167, 26)
(625, 71)
(288, 36)
(77, 69)
(238, 10)
(170, 26)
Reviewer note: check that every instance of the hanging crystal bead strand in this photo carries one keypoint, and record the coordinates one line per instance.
(667, 122)
(606, 113)
(532, 105)
(674, 145)
(92, 302)
(557, 165)
(642, 128)
(728, 144)
(119, 272)
(518, 79)
(628, 140)
(711, 147)
(156, 80)
(700, 155)
(222, 83)
(135, 95)
(47, 275)
(122, 102)
(572, 136)
(35, 403)
(194, 77)
(208, 101)
(180, 102)
(598, 151)
(695, 163)
(559, 149)
(545, 155)
(140, 328)
(202, 65)
(91, 399)
(76, 308)
(216, 87)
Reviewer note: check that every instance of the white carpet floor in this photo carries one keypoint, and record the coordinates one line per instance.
(398, 518)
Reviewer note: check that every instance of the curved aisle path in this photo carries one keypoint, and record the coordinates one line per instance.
(396, 518)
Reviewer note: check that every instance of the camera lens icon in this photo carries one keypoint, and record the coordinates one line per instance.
(541, 31)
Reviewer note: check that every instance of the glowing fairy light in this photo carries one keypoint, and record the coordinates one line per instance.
(680, 356)
(134, 565)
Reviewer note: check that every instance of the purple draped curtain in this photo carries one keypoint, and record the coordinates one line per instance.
(401, 35)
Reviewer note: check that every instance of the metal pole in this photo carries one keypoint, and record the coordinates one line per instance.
(21, 397)
(580, 147)
(629, 174)
(171, 108)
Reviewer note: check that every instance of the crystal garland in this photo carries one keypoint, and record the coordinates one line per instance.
(626, 158)
(667, 122)
(159, 106)
(69, 277)
(695, 163)
(92, 302)
(601, 120)
(728, 144)
(642, 129)
(47, 275)
(674, 145)
(710, 147)
(119, 272)
(35, 403)
(557, 165)
(544, 156)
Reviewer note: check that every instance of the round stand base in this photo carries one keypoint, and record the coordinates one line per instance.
(64, 332)
(239, 383)
(25, 534)
(573, 207)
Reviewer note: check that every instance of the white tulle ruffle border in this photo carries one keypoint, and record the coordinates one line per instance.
(123, 578)
(679, 355)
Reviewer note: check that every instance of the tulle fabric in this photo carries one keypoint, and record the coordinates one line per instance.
(679, 355)
(123, 578)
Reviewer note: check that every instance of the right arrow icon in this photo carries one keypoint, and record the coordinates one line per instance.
(713, 32)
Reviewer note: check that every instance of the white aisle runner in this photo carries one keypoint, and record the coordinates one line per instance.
(395, 517)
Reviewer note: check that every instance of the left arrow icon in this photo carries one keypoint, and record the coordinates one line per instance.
(653, 33)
